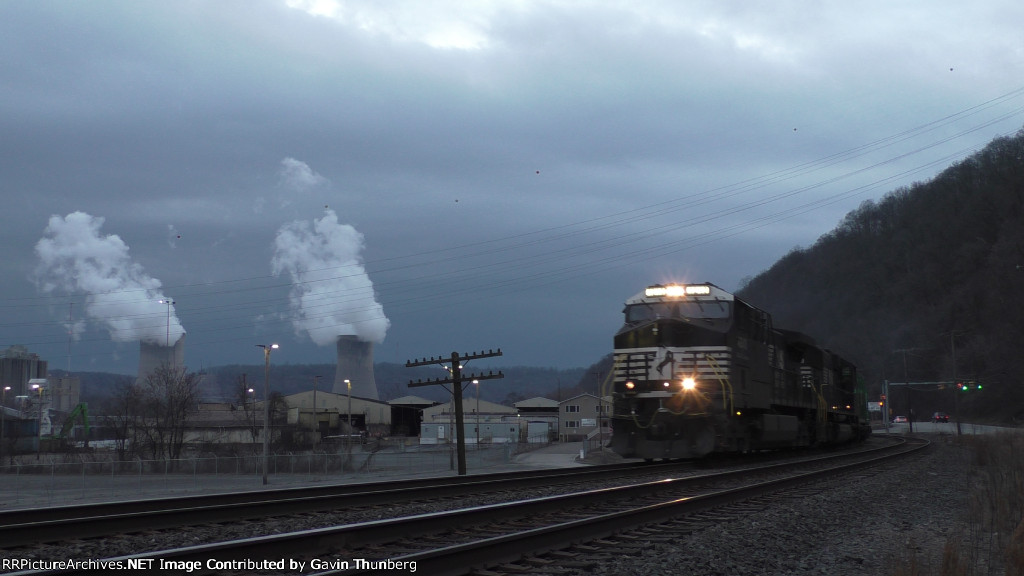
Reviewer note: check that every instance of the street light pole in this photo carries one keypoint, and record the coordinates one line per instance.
(316, 422)
(39, 428)
(266, 405)
(251, 409)
(477, 384)
(3, 420)
(349, 384)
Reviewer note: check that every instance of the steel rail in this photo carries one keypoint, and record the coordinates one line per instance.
(460, 559)
(30, 526)
(370, 533)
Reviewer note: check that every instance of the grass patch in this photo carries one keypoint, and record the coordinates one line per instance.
(990, 535)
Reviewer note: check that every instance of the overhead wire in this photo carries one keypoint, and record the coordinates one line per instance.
(561, 262)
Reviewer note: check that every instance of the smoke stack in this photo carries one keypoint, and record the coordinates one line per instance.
(152, 356)
(355, 364)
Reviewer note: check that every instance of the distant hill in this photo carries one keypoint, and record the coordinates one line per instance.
(224, 382)
(520, 382)
(928, 274)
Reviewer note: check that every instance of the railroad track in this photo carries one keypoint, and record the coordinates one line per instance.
(30, 526)
(455, 541)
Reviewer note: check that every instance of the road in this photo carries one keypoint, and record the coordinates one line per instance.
(929, 427)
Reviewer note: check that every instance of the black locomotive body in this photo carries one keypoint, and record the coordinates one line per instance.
(699, 371)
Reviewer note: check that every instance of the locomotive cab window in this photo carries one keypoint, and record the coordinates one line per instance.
(645, 312)
(689, 309)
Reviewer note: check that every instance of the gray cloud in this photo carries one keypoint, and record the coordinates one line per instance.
(514, 169)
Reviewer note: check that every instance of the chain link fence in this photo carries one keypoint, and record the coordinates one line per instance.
(74, 479)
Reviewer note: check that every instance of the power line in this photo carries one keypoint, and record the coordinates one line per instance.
(572, 250)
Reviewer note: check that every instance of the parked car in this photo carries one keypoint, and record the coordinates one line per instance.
(940, 417)
(899, 419)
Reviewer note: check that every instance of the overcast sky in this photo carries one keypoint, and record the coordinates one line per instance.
(439, 176)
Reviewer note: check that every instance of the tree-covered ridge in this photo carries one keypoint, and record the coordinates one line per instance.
(929, 270)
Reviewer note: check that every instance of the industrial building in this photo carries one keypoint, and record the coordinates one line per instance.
(543, 417)
(17, 367)
(32, 405)
(534, 420)
(581, 416)
(339, 414)
(407, 414)
(35, 407)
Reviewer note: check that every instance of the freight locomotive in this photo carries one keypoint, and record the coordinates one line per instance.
(698, 370)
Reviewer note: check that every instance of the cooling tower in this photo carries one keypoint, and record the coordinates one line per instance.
(152, 356)
(355, 364)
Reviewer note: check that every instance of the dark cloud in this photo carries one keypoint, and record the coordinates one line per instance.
(591, 150)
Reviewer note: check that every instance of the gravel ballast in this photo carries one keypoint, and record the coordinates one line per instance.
(883, 523)
(888, 520)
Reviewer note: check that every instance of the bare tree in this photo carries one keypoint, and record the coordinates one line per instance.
(121, 416)
(278, 415)
(168, 398)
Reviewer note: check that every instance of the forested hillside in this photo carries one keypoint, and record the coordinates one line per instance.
(925, 284)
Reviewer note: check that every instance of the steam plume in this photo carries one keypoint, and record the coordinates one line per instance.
(331, 293)
(75, 258)
(297, 176)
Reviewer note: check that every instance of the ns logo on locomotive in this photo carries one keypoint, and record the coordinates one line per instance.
(698, 370)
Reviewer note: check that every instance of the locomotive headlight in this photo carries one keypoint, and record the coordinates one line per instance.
(630, 385)
(689, 383)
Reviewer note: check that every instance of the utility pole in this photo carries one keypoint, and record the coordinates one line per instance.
(455, 379)
(956, 396)
(71, 333)
(910, 406)
(885, 405)
(600, 409)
